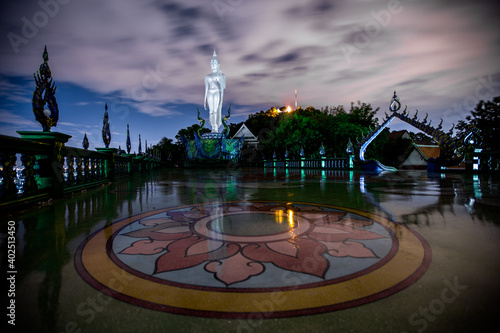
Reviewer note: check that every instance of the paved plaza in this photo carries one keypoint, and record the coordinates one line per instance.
(264, 250)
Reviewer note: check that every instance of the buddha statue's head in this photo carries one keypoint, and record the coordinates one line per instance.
(214, 63)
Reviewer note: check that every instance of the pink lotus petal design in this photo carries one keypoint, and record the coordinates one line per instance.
(306, 237)
(146, 247)
(234, 269)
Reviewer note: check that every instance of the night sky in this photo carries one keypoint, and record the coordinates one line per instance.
(147, 59)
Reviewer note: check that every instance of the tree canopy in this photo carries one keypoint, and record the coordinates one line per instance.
(486, 119)
(282, 129)
(310, 128)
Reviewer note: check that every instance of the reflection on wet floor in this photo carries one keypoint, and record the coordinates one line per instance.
(456, 214)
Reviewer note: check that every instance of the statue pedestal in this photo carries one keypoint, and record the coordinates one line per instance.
(213, 136)
(214, 147)
(433, 166)
(51, 165)
(109, 164)
(107, 150)
(48, 137)
(350, 158)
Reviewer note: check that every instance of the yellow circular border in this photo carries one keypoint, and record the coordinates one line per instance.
(408, 264)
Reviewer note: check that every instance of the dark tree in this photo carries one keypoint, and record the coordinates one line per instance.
(486, 119)
(188, 133)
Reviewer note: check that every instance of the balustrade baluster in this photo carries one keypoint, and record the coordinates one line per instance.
(65, 169)
(92, 169)
(29, 173)
(98, 169)
(79, 175)
(70, 161)
(86, 169)
(8, 173)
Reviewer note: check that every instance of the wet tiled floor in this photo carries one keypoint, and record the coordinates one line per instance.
(253, 250)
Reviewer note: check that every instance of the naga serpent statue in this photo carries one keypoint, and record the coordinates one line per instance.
(224, 122)
(44, 95)
(201, 121)
(446, 143)
(225, 119)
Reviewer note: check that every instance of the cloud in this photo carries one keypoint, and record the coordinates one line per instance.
(80, 127)
(15, 91)
(318, 7)
(82, 103)
(10, 118)
(152, 56)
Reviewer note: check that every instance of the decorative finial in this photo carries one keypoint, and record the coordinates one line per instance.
(350, 149)
(425, 119)
(85, 142)
(129, 145)
(322, 150)
(395, 104)
(440, 126)
(106, 133)
(450, 132)
(416, 115)
(44, 105)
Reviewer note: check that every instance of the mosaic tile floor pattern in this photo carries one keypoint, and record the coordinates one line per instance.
(232, 259)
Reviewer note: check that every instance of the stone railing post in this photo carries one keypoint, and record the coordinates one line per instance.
(8, 188)
(51, 172)
(109, 163)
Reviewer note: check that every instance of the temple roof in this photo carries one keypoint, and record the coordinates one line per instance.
(244, 131)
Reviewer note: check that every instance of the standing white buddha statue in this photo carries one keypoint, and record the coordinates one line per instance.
(215, 83)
